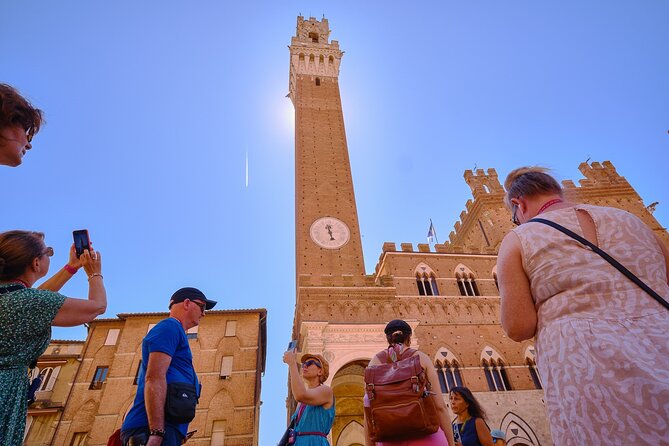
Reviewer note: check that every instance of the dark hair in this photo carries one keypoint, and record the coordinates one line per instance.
(474, 409)
(17, 251)
(16, 110)
(397, 337)
(529, 181)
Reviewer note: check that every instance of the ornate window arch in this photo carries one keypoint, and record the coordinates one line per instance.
(531, 361)
(466, 281)
(426, 280)
(448, 369)
(494, 369)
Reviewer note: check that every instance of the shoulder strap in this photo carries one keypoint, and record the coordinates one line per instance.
(606, 257)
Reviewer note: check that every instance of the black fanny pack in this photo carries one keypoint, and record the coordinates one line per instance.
(180, 402)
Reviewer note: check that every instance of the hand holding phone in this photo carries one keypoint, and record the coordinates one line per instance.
(81, 241)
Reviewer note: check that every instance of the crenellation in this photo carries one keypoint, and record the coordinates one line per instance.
(423, 247)
(406, 247)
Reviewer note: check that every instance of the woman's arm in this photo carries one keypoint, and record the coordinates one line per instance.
(318, 396)
(79, 311)
(483, 433)
(432, 377)
(519, 317)
(56, 282)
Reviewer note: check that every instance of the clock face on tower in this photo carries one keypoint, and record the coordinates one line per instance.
(329, 233)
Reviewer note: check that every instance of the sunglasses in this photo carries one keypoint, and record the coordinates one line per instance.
(514, 217)
(48, 251)
(203, 307)
(309, 362)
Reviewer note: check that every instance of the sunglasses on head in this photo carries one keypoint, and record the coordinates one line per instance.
(308, 362)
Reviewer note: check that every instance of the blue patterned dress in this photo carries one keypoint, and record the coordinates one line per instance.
(25, 330)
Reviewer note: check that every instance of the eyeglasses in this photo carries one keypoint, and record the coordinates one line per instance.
(48, 251)
(514, 217)
(203, 307)
(309, 362)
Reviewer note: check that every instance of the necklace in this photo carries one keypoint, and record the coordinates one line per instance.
(549, 204)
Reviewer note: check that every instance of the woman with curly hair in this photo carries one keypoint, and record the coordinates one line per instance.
(19, 122)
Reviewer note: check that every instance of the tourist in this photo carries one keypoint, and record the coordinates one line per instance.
(19, 122)
(27, 314)
(398, 334)
(601, 341)
(167, 386)
(470, 428)
(315, 410)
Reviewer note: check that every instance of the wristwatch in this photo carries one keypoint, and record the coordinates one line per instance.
(158, 432)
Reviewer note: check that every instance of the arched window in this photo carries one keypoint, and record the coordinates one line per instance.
(494, 370)
(426, 281)
(314, 37)
(448, 370)
(466, 281)
(46, 373)
(531, 361)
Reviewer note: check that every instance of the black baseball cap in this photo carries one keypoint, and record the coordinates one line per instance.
(397, 325)
(191, 293)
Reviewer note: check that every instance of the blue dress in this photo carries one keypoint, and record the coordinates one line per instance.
(467, 430)
(314, 419)
(25, 330)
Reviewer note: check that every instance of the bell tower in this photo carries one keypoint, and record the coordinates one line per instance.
(326, 217)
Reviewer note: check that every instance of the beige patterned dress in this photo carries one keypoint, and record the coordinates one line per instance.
(602, 343)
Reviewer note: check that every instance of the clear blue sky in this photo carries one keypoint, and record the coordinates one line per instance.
(152, 106)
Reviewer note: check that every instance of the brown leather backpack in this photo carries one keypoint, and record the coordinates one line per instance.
(401, 405)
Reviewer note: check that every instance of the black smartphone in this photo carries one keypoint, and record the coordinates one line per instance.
(190, 434)
(292, 345)
(81, 241)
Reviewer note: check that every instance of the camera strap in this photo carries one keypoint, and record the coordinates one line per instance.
(603, 254)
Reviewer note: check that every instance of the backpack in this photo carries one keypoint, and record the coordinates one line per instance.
(401, 405)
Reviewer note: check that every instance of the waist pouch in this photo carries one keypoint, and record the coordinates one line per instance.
(180, 403)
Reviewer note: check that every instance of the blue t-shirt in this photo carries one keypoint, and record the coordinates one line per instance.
(169, 337)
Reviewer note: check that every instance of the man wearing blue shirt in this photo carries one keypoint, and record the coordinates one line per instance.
(166, 358)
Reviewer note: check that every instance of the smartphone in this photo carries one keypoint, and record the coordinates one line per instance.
(190, 434)
(292, 345)
(81, 241)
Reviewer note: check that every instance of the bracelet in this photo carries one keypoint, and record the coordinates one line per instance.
(70, 269)
(157, 432)
(94, 275)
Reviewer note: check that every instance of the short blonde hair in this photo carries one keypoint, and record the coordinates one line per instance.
(529, 181)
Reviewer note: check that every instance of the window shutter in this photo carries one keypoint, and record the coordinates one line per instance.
(112, 336)
(230, 328)
(226, 367)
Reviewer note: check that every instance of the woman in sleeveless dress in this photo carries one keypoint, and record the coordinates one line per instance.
(315, 410)
(398, 335)
(27, 314)
(601, 341)
(470, 428)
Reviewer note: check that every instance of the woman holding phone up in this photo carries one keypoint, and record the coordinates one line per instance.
(27, 314)
(316, 409)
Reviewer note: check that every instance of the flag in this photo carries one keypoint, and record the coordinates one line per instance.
(432, 234)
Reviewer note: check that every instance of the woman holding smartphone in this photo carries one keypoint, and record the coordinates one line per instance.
(27, 314)
(316, 407)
